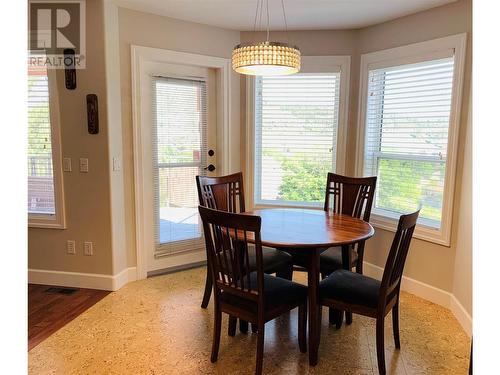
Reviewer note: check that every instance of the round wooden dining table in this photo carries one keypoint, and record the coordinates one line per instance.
(309, 232)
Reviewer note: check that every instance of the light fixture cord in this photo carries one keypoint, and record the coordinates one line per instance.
(286, 23)
(260, 15)
(267, 6)
(256, 14)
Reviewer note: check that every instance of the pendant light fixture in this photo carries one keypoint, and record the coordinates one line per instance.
(266, 58)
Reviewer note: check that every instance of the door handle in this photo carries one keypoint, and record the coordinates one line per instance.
(210, 168)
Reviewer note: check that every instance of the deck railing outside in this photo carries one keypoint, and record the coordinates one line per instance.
(40, 185)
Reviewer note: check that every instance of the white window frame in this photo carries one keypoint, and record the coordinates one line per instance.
(414, 53)
(310, 64)
(57, 220)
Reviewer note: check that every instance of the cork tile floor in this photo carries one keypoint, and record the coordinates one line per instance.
(156, 326)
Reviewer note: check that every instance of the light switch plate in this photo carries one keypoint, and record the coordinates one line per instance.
(71, 247)
(84, 165)
(88, 248)
(67, 164)
(117, 166)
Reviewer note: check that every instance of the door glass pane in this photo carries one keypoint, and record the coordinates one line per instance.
(179, 152)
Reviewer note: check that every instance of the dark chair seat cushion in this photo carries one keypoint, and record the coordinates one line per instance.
(331, 259)
(277, 292)
(272, 259)
(350, 287)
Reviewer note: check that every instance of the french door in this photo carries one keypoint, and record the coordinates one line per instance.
(183, 145)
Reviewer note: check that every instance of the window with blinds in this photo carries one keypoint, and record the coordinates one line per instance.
(41, 199)
(407, 121)
(179, 152)
(296, 122)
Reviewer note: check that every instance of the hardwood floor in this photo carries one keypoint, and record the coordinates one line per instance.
(50, 308)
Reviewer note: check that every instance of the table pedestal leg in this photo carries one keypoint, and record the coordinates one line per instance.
(314, 313)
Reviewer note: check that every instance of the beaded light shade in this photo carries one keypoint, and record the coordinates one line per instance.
(266, 58)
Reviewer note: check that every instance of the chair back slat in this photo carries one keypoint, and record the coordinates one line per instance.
(223, 193)
(226, 238)
(350, 195)
(394, 267)
(246, 257)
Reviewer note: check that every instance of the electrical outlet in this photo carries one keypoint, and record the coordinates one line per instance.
(84, 165)
(71, 247)
(67, 164)
(88, 248)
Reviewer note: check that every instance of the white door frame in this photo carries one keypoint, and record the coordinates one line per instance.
(141, 55)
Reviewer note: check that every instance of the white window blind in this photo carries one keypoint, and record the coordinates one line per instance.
(41, 200)
(296, 122)
(407, 121)
(179, 153)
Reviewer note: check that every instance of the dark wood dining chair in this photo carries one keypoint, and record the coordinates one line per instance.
(226, 193)
(350, 291)
(349, 196)
(239, 290)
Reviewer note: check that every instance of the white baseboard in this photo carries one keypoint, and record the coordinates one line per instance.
(125, 276)
(82, 280)
(428, 292)
(461, 314)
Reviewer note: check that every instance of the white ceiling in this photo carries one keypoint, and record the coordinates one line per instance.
(301, 14)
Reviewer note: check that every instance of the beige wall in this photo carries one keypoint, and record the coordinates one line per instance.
(87, 194)
(427, 262)
(143, 29)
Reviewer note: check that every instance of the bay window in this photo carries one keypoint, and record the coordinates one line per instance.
(296, 135)
(410, 124)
